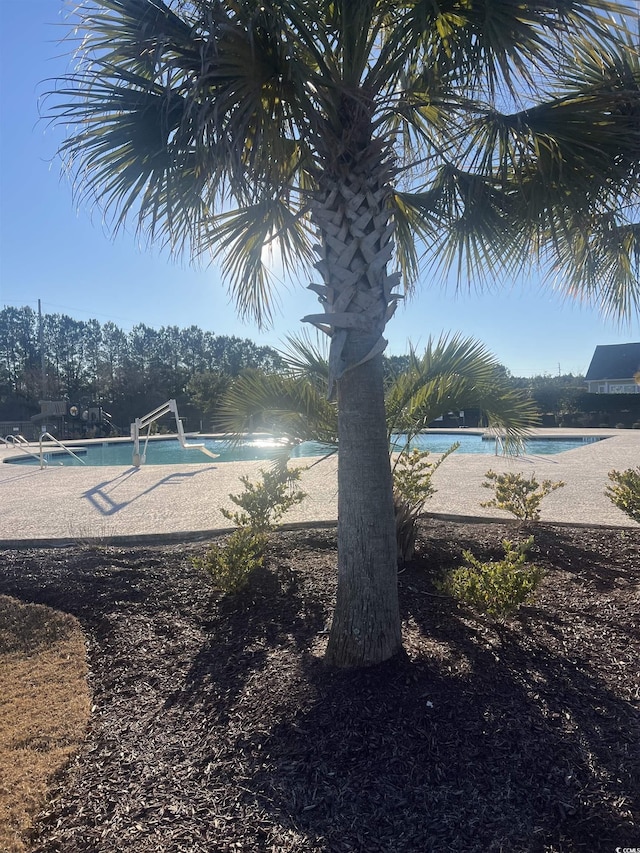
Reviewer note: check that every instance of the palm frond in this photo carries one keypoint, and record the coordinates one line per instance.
(603, 267)
(305, 357)
(285, 406)
(209, 97)
(243, 236)
(467, 224)
(452, 374)
(496, 45)
(124, 156)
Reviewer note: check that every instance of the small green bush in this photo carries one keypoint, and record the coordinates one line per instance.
(497, 588)
(521, 496)
(625, 493)
(230, 565)
(261, 506)
(412, 488)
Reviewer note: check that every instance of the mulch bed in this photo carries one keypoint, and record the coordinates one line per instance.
(216, 726)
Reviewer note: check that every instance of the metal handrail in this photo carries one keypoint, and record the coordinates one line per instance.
(21, 443)
(60, 444)
(15, 439)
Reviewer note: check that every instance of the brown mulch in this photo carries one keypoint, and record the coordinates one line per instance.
(216, 727)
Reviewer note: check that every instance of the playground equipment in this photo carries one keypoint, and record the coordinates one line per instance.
(146, 420)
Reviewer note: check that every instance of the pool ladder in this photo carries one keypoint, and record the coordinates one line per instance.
(20, 442)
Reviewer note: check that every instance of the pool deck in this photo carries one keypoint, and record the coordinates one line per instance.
(60, 505)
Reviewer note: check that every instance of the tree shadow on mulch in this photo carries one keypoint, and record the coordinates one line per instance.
(407, 759)
(245, 630)
(484, 739)
(217, 727)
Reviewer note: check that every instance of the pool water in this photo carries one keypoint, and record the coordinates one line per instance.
(441, 442)
(169, 451)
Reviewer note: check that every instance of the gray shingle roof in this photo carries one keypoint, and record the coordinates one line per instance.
(614, 361)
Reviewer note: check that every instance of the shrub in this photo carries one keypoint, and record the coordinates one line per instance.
(261, 505)
(518, 495)
(230, 565)
(625, 493)
(499, 587)
(412, 487)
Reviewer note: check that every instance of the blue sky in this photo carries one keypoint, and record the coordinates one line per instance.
(52, 251)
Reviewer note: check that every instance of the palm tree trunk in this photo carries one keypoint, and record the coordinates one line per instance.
(366, 622)
(353, 218)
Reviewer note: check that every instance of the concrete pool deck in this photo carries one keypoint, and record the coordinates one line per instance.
(59, 505)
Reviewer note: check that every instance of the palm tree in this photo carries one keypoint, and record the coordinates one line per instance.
(362, 137)
(452, 373)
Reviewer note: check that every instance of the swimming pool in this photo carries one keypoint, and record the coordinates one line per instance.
(167, 451)
(535, 446)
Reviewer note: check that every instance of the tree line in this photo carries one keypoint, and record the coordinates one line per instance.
(131, 372)
(128, 372)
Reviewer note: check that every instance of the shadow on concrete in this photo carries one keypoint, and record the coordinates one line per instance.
(100, 495)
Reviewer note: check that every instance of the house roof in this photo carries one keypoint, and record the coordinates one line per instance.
(614, 361)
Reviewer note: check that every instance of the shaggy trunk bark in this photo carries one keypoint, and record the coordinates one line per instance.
(366, 622)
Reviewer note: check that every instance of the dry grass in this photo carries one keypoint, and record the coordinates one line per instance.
(44, 707)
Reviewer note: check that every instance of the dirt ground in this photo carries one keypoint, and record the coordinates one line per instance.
(215, 725)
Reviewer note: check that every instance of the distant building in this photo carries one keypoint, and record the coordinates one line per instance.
(614, 369)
